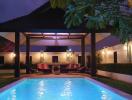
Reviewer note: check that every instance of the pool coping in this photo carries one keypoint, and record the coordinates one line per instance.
(116, 91)
(11, 84)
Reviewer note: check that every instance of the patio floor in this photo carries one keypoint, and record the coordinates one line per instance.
(46, 75)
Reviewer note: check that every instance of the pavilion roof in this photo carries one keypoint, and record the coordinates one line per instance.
(58, 36)
(60, 39)
(6, 45)
(45, 19)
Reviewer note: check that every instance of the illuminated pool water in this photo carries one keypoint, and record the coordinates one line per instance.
(58, 89)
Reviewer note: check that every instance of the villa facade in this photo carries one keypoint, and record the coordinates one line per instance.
(108, 51)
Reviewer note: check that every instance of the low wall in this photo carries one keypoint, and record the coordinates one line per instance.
(117, 76)
(11, 71)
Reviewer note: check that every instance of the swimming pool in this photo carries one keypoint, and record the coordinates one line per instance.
(58, 89)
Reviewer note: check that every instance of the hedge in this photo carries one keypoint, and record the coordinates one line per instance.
(117, 68)
(11, 66)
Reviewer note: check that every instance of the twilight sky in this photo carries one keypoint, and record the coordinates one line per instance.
(10, 9)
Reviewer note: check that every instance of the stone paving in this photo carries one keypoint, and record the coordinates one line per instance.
(47, 75)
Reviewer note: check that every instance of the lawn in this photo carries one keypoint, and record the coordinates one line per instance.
(123, 86)
(5, 81)
(7, 78)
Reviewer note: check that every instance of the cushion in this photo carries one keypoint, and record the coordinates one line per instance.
(39, 66)
(45, 66)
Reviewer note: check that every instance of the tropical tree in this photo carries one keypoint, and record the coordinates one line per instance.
(97, 15)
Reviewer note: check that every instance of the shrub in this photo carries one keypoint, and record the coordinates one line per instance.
(117, 68)
(12, 66)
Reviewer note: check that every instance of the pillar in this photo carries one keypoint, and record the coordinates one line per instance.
(27, 54)
(93, 54)
(17, 52)
(83, 51)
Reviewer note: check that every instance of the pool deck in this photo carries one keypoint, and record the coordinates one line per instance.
(58, 75)
(49, 75)
(75, 75)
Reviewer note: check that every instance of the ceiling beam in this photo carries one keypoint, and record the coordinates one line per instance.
(52, 35)
(52, 38)
(24, 33)
(56, 35)
(69, 35)
(86, 34)
(43, 35)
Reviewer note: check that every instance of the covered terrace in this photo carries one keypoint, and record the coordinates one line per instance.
(48, 24)
(78, 42)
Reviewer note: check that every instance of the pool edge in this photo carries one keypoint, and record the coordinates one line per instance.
(117, 91)
(11, 84)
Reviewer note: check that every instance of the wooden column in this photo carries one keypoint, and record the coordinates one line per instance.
(83, 51)
(17, 52)
(27, 54)
(93, 54)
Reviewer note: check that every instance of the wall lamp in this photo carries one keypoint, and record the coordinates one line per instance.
(13, 55)
(42, 56)
(69, 54)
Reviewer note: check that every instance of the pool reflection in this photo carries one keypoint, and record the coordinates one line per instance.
(67, 92)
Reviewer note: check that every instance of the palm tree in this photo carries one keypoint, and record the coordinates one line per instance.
(96, 15)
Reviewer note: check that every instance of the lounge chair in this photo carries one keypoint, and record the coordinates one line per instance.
(72, 67)
(43, 68)
(82, 69)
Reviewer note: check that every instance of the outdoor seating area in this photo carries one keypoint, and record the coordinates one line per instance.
(66, 50)
(63, 68)
(43, 67)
